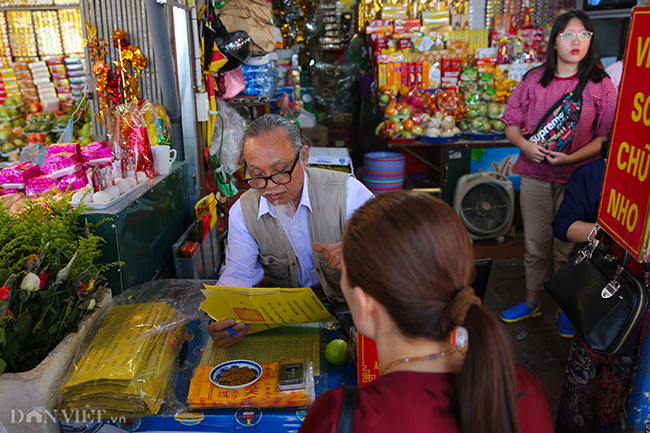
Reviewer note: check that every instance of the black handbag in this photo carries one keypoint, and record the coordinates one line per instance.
(604, 302)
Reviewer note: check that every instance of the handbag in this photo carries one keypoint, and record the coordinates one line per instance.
(604, 302)
(556, 127)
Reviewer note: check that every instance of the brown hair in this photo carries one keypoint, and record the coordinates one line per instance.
(411, 252)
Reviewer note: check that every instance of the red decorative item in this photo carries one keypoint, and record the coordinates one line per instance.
(139, 142)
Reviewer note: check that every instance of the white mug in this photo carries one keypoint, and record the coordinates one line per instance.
(161, 158)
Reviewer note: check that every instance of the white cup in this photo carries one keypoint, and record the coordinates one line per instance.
(161, 158)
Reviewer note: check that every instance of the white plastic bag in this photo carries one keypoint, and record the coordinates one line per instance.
(226, 140)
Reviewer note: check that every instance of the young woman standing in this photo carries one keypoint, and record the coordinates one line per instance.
(571, 59)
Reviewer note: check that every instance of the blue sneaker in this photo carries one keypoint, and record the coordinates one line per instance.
(520, 312)
(564, 327)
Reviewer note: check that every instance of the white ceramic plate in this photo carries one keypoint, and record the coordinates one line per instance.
(217, 371)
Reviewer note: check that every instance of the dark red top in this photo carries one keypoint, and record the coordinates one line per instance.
(406, 401)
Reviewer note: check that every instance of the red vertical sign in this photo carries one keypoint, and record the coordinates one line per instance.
(625, 199)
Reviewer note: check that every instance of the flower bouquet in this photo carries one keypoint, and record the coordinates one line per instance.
(50, 270)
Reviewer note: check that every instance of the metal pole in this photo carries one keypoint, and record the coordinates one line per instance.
(165, 64)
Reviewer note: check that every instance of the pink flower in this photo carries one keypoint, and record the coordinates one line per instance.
(4, 292)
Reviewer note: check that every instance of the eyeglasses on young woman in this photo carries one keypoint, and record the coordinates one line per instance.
(570, 36)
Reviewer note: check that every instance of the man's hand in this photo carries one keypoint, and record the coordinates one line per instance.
(558, 158)
(332, 253)
(223, 337)
(534, 152)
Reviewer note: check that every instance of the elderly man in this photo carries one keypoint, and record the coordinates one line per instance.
(288, 227)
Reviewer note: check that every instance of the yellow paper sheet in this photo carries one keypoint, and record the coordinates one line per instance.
(263, 393)
(264, 350)
(264, 308)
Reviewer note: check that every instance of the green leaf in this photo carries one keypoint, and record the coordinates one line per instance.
(2, 335)
(3, 365)
(23, 325)
(54, 327)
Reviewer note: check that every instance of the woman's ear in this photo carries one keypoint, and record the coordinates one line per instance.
(369, 310)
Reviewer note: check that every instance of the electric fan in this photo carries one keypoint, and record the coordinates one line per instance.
(485, 202)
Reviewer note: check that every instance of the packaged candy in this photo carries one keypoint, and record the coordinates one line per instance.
(61, 164)
(39, 185)
(19, 173)
(63, 147)
(9, 191)
(97, 152)
(73, 182)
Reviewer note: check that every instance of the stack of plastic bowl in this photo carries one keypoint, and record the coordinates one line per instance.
(383, 171)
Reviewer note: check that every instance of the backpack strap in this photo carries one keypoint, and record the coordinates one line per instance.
(348, 408)
(575, 96)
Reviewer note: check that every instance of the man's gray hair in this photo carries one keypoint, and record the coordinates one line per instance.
(270, 122)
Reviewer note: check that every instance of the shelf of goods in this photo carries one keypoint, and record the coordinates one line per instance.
(41, 45)
(141, 230)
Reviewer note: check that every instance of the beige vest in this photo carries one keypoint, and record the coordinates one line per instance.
(327, 193)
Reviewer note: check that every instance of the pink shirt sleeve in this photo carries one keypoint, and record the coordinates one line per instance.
(606, 108)
(517, 105)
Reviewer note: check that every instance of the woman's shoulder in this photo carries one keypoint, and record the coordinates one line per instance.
(532, 403)
(533, 76)
(602, 89)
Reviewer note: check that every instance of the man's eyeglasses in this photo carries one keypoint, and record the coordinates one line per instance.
(570, 36)
(281, 178)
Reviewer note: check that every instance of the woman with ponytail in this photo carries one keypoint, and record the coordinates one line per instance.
(445, 362)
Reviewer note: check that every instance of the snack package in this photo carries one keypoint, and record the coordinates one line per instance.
(97, 152)
(39, 185)
(61, 164)
(55, 148)
(73, 182)
(9, 191)
(19, 173)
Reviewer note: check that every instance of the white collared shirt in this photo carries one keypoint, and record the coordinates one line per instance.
(243, 269)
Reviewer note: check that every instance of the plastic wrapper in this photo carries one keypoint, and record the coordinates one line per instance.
(9, 191)
(61, 122)
(74, 181)
(131, 138)
(41, 118)
(39, 185)
(61, 164)
(125, 369)
(55, 148)
(19, 173)
(333, 85)
(41, 127)
(232, 131)
(235, 83)
(157, 123)
(98, 150)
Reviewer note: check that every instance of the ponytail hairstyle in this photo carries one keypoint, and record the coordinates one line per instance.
(587, 69)
(411, 252)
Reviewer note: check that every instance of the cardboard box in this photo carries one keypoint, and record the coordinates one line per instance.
(317, 135)
(329, 157)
